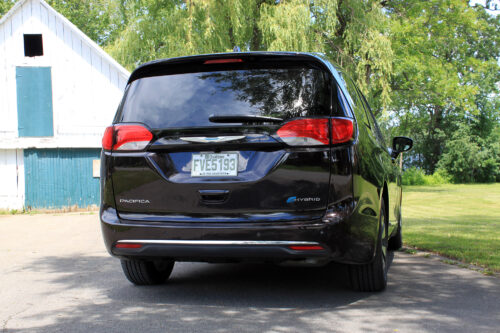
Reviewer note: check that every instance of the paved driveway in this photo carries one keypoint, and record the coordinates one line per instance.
(55, 276)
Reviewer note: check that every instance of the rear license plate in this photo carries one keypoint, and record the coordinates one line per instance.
(214, 165)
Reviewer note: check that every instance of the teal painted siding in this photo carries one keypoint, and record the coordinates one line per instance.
(58, 178)
(34, 101)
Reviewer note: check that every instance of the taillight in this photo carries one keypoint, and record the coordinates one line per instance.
(126, 137)
(305, 132)
(222, 61)
(315, 131)
(107, 138)
(342, 130)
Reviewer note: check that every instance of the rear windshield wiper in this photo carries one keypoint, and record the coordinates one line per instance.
(243, 119)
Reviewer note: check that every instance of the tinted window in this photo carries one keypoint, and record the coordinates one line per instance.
(349, 87)
(187, 100)
(373, 122)
(355, 100)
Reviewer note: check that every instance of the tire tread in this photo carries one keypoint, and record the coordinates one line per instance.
(141, 272)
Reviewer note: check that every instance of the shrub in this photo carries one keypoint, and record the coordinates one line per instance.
(415, 176)
(470, 159)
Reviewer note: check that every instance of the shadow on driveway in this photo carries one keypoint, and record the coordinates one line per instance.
(90, 294)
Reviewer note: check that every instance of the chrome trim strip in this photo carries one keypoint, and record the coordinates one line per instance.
(214, 242)
(204, 139)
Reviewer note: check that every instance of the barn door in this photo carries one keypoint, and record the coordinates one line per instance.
(57, 178)
(34, 101)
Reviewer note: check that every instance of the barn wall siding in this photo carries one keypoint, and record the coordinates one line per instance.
(57, 178)
(11, 179)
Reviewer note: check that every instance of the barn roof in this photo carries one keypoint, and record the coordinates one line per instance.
(74, 29)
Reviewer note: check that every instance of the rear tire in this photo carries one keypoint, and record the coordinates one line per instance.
(373, 276)
(143, 273)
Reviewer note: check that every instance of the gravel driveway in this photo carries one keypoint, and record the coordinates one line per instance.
(55, 276)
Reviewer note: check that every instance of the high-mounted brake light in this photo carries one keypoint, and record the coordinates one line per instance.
(315, 131)
(126, 137)
(222, 61)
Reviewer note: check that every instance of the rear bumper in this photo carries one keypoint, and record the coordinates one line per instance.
(212, 250)
(275, 241)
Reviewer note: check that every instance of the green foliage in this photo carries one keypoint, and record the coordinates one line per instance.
(415, 176)
(96, 18)
(5, 5)
(470, 159)
(445, 72)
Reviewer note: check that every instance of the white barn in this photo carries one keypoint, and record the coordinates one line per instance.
(58, 92)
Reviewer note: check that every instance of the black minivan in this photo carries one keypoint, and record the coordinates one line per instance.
(258, 156)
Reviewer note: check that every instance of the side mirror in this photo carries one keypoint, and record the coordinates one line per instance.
(401, 144)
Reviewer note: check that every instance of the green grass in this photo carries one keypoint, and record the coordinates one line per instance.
(458, 221)
(10, 212)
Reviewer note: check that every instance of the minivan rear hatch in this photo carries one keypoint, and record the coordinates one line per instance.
(232, 138)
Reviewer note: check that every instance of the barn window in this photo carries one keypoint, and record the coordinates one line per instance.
(33, 45)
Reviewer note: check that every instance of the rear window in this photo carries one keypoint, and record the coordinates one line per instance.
(187, 100)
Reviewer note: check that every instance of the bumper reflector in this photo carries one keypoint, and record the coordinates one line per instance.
(128, 246)
(306, 247)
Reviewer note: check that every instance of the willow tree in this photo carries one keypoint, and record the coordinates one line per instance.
(353, 33)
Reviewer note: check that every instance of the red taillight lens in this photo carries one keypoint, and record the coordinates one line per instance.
(315, 131)
(302, 132)
(306, 247)
(342, 130)
(222, 61)
(131, 137)
(126, 137)
(128, 246)
(107, 138)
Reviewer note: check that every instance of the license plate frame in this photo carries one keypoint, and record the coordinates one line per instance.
(214, 165)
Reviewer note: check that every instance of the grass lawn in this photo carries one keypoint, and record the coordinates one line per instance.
(458, 221)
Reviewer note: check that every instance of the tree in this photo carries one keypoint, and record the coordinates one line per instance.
(5, 5)
(469, 159)
(98, 19)
(445, 73)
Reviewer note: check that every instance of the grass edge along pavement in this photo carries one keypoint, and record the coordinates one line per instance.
(461, 222)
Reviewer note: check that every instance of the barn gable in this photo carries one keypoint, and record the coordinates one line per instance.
(86, 83)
